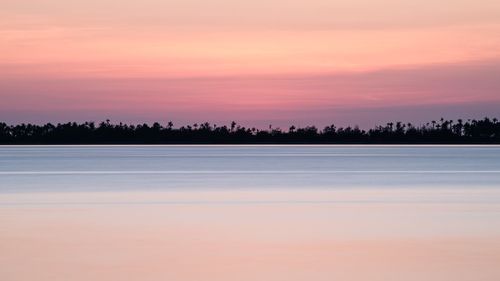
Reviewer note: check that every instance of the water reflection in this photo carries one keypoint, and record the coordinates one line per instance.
(250, 213)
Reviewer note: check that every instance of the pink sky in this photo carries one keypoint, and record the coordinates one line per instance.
(257, 62)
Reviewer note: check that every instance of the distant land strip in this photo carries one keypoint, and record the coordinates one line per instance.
(483, 131)
(256, 172)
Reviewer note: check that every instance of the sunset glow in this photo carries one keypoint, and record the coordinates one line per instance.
(362, 62)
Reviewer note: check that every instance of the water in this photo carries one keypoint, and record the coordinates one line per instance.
(249, 213)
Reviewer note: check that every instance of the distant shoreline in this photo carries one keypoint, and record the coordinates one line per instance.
(194, 144)
(256, 144)
(442, 132)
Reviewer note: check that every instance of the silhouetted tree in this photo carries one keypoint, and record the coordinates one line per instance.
(446, 131)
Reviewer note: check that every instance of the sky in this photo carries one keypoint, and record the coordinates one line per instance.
(261, 62)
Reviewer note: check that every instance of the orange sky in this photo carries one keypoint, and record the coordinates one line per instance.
(358, 62)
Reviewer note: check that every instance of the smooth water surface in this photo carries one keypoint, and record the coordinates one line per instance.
(249, 213)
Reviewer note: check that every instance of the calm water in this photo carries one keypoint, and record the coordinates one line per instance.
(249, 213)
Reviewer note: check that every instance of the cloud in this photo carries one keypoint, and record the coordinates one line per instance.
(260, 14)
(413, 94)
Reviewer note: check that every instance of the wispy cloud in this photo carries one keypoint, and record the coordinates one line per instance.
(416, 92)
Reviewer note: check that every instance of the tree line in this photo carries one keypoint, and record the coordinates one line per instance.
(443, 131)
